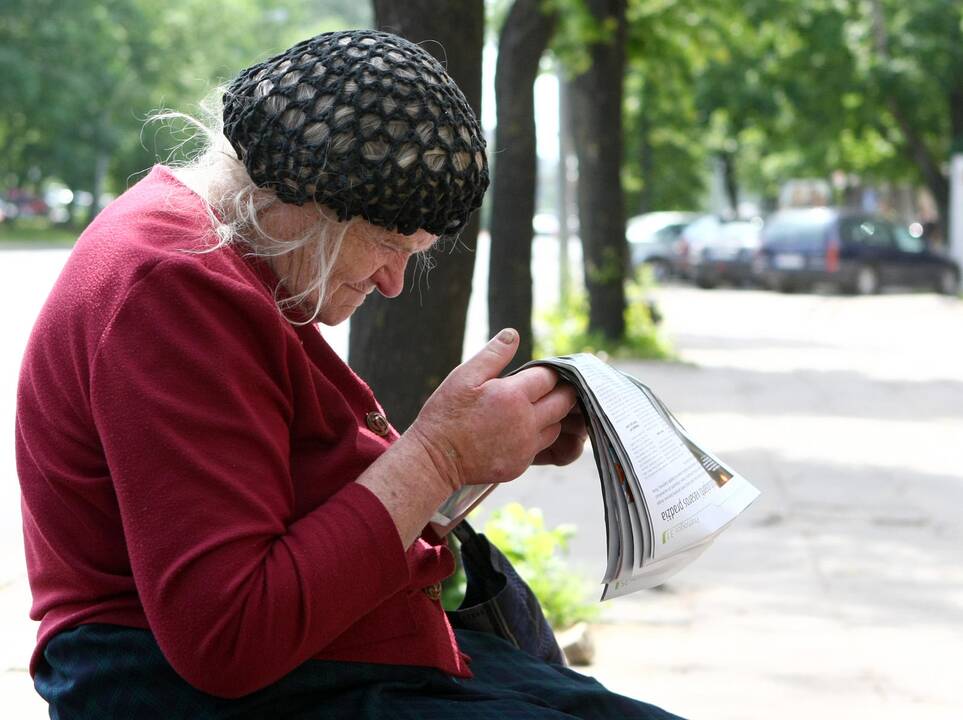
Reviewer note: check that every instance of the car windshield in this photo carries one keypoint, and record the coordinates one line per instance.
(668, 233)
(907, 242)
(656, 227)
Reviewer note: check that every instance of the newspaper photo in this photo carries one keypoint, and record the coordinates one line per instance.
(665, 497)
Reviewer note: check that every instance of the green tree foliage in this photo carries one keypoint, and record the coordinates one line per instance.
(910, 57)
(778, 89)
(82, 76)
(769, 90)
(664, 151)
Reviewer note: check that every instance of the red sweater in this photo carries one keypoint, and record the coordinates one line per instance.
(187, 458)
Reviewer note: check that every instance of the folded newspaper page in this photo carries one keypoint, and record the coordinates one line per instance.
(665, 497)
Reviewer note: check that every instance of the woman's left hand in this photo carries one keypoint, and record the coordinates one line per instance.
(570, 443)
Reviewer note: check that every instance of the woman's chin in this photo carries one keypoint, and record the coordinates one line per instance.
(332, 316)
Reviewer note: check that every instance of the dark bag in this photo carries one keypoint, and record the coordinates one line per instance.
(498, 601)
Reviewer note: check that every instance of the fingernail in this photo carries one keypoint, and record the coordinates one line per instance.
(507, 336)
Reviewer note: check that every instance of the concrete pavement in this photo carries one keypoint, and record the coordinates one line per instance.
(838, 594)
(25, 278)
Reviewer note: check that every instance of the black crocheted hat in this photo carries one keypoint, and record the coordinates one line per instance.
(366, 123)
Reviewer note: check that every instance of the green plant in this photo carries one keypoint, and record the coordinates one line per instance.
(563, 330)
(36, 232)
(453, 587)
(538, 554)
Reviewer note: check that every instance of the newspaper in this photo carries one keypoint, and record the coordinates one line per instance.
(665, 497)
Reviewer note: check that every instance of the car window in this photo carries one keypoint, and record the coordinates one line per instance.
(873, 233)
(906, 242)
(699, 230)
(796, 230)
(849, 231)
(668, 233)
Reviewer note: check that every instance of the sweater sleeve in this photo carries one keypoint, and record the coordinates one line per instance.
(189, 396)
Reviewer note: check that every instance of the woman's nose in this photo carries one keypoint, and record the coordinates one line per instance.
(390, 277)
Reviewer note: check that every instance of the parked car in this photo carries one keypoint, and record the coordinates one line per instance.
(692, 240)
(652, 237)
(25, 204)
(855, 251)
(726, 256)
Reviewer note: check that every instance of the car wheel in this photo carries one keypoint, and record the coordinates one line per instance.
(784, 285)
(948, 283)
(867, 281)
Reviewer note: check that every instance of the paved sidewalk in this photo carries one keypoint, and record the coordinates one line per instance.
(839, 594)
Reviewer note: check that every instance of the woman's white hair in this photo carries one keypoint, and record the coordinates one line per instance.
(236, 206)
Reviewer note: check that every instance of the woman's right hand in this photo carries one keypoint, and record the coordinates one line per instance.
(479, 428)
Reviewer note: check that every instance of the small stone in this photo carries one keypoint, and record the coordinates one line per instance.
(576, 643)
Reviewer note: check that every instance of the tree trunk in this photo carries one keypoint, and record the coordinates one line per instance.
(596, 97)
(913, 146)
(956, 119)
(406, 346)
(933, 176)
(956, 146)
(646, 158)
(729, 181)
(524, 36)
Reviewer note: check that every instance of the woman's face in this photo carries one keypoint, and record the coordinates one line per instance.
(371, 258)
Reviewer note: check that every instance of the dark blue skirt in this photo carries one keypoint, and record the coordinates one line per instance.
(100, 672)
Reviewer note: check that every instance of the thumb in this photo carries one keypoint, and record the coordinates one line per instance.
(488, 362)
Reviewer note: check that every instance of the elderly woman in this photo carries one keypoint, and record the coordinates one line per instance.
(218, 520)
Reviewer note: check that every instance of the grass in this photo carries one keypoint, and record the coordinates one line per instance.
(36, 233)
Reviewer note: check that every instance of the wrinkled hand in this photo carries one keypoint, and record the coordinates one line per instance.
(570, 443)
(479, 428)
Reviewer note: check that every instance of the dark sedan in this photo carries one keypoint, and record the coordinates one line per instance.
(856, 252)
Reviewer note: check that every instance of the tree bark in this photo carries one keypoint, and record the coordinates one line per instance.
(646, 157)
(406, 346)
(729, 180)
(596, 97)
(523, 39)
(956, 119)
(933, 176)
(913, 146)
